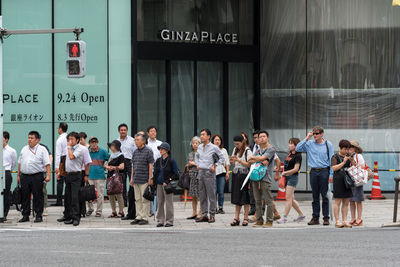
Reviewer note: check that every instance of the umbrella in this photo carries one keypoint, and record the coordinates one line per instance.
(248, 176)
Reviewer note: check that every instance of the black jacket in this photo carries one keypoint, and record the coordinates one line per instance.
(168, 170)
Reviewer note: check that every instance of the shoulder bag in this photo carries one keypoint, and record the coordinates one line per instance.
(348, 181)
(114, 184)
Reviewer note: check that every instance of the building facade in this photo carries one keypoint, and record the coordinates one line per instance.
(226, 65)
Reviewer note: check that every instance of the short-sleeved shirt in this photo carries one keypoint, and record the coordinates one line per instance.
(75, 165)
(99, 157)
(246, 155)
(115, 162)
(33, 160)
(291, 160)
(269, 153)
(141, 159)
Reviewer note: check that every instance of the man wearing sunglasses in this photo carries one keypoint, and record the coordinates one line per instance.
(319, 154)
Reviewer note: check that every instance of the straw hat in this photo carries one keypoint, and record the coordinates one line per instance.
(356, 145)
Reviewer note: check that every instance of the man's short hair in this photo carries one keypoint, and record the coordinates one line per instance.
(82, 135)
(6, 135)
(63, 126)
(142, 136)
(73, 134)
(318, 129)
(151, 127)
(263, 132)
(35, 133)
(256, 132)
(122, 125)
(208, 132)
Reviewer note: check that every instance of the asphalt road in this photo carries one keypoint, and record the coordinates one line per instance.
(231, 247)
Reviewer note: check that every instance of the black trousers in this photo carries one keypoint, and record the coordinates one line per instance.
(7, 193)
(32, 184)
(73, 183)
(131, 193)
(60, 189)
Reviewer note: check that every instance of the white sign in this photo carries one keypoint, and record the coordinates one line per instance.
(199, 37)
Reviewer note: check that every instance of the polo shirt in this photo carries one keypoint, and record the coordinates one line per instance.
(75, 165)
(98, 157)
(141, 159)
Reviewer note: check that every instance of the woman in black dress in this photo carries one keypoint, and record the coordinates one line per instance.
(240, 197)
(341, 193)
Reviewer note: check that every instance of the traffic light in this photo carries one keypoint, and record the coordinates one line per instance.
(76, 59)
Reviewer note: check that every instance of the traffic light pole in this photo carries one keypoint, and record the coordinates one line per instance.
(4, 33)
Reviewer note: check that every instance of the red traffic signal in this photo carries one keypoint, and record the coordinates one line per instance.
(76, 59)
(74, 49)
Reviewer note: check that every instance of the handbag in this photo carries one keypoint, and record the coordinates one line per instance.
(114, 184)
(17, 195)
(171, 186)
(348, 181)
(359, 176)
(184, 179)
(149, 193)
(259, 170)
(87, 193)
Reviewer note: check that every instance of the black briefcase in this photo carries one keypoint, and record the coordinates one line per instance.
(87, 193)
(17, 196)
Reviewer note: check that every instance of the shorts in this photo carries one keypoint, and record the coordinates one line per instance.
(292, 180)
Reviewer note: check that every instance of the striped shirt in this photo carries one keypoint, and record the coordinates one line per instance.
(99, 157)
(141, 159)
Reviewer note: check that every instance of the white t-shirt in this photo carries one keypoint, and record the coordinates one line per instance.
(246, 155)
(221, 168)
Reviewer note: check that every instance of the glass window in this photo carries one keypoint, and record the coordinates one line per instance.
(209, 97)
(151, 96)
(241, 97)
(182, 109)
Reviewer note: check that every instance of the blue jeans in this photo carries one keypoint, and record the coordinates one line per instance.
(319, 181)
(220, 189)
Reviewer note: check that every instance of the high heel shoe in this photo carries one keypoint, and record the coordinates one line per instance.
(358, 223)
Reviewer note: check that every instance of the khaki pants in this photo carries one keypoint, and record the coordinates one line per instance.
(142, 204)
(165, 206)
(120, 199)
(265, 189)
(99, 185)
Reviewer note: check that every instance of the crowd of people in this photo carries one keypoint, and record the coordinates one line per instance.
(141, 162)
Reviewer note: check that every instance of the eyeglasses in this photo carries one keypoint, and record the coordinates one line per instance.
(316, 133)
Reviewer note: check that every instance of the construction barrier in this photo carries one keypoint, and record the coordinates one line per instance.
(376, 186)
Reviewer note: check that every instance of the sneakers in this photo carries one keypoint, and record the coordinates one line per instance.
(283, 220)
(300, 218)
(220, 211)
(314, 221)
(258, 224)
(277, 217)
(267, 225)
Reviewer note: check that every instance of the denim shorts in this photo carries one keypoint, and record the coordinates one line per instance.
(292, 180)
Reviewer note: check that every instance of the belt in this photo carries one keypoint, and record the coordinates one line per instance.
(31, 174)
(80, 172)
(8, 171)
(319, 169)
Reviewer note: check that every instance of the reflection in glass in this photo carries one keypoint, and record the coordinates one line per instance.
(151, 96)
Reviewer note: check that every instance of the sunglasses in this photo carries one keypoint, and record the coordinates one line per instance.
(316, 133)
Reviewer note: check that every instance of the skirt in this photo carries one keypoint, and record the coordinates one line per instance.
(358, 194)
(240, 197)
(339, 187)
(194, 184)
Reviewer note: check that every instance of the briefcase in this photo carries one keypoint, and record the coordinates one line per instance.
(87, 193)
(17, 196)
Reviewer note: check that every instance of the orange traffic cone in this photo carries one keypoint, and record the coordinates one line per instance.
(281, 190)
(376, 186)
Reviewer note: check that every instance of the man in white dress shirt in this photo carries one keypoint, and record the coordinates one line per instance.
(33, 161)
(61, 152)
(153, 143)
(9, 163)
(128, 146)
(73, 166)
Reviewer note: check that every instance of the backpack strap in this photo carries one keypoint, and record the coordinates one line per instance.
(327, 149)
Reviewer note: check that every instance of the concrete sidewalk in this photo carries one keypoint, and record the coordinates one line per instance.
(375, 214)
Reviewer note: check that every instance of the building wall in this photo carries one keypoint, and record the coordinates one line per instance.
(36, 98)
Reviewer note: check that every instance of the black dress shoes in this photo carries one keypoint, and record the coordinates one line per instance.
(160, 225)
(24, 219)
(135, 221)
(62, 219)
(169, 225)
(75, 223)
(202, 219)
(38, 220)
(70, 221)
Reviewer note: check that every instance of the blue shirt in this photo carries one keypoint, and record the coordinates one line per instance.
(317, 156)
(160, 179)
(96, 170)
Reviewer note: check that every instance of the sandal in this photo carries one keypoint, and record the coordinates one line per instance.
(352, 222)
(121, 214)
(245, 222)
(113, 215)
(235, 222)
(360, 223)
(98, 214)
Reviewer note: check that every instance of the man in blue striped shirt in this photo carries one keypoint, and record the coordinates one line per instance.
(319, 155)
